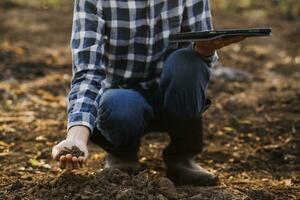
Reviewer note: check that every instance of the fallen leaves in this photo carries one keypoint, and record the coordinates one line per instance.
(21, 116)
(59, 103)
(10, 47)
(5, 128)
(51, 79)
(98, 156)
(286, 182)
(228, 129)
(39, 163)
(34, 162)
(44, 124)
(245, 122)
(5, 146)
(41, 138)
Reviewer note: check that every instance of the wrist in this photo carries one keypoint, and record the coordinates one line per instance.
(78, 133)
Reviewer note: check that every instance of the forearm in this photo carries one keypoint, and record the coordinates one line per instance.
(80, 133)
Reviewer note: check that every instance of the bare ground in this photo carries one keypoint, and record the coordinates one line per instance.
(252, 130)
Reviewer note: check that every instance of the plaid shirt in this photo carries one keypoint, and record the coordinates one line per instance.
(118, 43)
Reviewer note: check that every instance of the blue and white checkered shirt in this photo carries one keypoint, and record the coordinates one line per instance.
(123, 43)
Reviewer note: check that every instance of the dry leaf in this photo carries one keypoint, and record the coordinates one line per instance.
(41, 138)
(287, 182)
(228, 129)
(246, 122)
(97, 156)
(35, 163)
(2, 143)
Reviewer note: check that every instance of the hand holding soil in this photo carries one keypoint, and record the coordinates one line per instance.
(72, 152)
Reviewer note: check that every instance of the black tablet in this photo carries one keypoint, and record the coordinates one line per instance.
(216, 34)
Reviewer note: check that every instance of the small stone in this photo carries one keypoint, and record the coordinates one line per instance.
(32, 190)
(161, 197)
(196, 197)
(17, 197)
(165, 183)
(125, 194)
(15, 186)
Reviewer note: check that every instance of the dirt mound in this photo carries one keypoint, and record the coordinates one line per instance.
(108, 184)
(114, 184)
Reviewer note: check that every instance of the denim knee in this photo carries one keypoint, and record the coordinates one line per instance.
(184, 82)
(121, 116)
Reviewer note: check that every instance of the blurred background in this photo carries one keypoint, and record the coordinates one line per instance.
(252, 130)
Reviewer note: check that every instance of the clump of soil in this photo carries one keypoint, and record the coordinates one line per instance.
(74, 151)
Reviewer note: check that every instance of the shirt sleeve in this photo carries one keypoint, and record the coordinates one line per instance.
(197, 17)
(88, 71)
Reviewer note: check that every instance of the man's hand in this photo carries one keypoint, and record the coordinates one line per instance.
(208, 48)
(77, 136)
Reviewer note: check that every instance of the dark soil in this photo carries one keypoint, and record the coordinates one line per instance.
(74, 151)
(114, 184)
(252, 138)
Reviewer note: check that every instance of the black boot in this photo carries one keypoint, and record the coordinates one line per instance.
(186, 143)
(124, 159)
(127, 163)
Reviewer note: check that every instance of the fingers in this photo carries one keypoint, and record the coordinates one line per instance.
(69, 163)
(75, 163)
(222, 42)
(216, 44)
(62, 162)
(81, 161)
(234, 40)
(231, 40)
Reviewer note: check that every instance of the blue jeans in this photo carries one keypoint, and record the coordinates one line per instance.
(125, 115)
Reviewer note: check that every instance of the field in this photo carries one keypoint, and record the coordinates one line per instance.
(252, 130)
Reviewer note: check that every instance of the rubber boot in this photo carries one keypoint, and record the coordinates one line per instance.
(186, 142)
(126, 163)
(124, 159)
